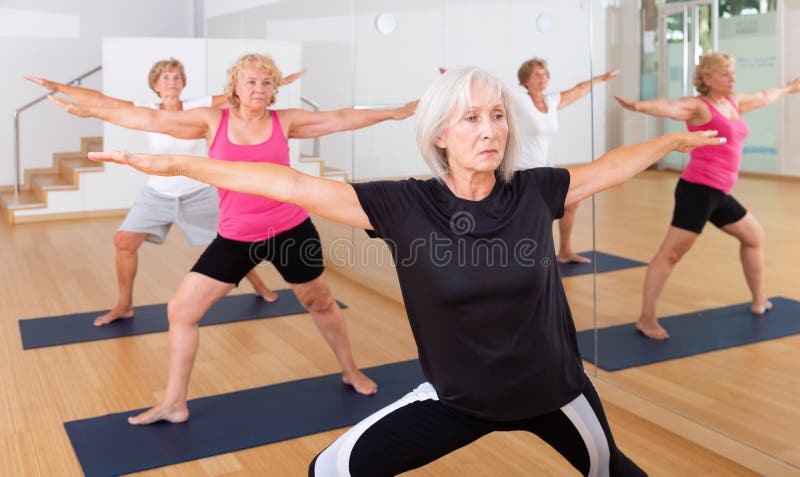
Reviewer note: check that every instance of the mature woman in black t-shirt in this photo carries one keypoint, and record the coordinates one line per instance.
(477, 267)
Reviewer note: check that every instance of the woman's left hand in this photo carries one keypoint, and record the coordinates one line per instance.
(293, 77)
(151, 164)
(608, 76)
(405, 111)
(794, 85)
(691, 140)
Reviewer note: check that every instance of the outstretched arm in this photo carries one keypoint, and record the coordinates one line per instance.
(190, 124)
(619, 165)
(752, 101)
(583, 88)
(305, 124)
(330, 199)
(682, 109)
(87, 96)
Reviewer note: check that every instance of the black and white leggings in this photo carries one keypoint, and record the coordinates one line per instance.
(418, 429)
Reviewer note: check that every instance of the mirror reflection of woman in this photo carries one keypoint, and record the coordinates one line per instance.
(703, 193)
(538, 123)
(163, 201)
(496, 340)
(251, 228)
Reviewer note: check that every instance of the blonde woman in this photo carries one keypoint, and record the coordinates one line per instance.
(495, 336)
(251, 228)
(163, 201)
(703, 193)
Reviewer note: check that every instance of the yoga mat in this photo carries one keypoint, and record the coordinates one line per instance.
(623, 347)
(605, 263)
(79, 327)
(108, 445)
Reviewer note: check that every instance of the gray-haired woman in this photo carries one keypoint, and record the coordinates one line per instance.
(490, 318)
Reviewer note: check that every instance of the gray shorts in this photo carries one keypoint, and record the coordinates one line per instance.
(195, 213)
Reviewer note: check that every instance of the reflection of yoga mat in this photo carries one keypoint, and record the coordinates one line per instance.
(77, 328)
(623, 347)
(605, 263)
(108, 445)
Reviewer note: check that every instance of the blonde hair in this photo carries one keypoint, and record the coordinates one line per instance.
(264, 63)
(705, 65)
(525, 70)
(170, 64)
(450, 93)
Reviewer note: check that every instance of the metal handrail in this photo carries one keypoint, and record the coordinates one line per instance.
(75, 82)
(315, 107)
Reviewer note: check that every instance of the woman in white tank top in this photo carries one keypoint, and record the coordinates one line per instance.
(538, 123)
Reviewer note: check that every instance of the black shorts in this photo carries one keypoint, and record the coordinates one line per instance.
(695, 204)
(296, 253)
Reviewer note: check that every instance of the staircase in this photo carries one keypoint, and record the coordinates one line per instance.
(316, 167)
(63, 175)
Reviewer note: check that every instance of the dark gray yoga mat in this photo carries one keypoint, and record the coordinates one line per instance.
(108, 445)
(622, 347)
(605, 263)
(79, 327)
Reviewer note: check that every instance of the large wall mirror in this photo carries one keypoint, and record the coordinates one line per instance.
(373, 53)
(718, 369)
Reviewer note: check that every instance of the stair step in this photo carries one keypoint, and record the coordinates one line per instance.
(81, 164)
(25, 200)
(94, 144)
(52, 181)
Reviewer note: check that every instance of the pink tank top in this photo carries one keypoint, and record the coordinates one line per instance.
(718, 166)
(246, 217)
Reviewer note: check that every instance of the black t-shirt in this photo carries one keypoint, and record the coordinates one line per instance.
(481, 287)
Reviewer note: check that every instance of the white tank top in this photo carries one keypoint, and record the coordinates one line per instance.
(176, 186)
(536, 129)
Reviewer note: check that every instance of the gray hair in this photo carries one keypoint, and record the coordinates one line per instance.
(450, 93)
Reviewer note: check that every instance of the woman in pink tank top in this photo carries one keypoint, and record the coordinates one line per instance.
(251, 228)
(703, 191)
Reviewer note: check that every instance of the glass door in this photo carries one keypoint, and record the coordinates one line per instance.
(687, 31)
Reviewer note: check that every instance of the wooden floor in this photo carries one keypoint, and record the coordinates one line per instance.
(67, 267)
(748, 392)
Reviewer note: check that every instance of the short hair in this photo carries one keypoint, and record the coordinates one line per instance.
(262, 62)
(449, 94)
(525, 70)
(706, 64)
(170, 64)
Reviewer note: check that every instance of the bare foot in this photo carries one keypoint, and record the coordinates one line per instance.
(761, 307)
(652, 330)
(114, 314)
(360, 382)
(267, 295)
(572, 257)
(171, 413)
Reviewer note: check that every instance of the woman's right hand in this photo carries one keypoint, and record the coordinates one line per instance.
(44, 83)
(686, 141)
(629, 105)
(75, 109)
(151, 164)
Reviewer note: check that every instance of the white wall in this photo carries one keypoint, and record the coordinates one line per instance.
(351, 63)
(38, 47)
